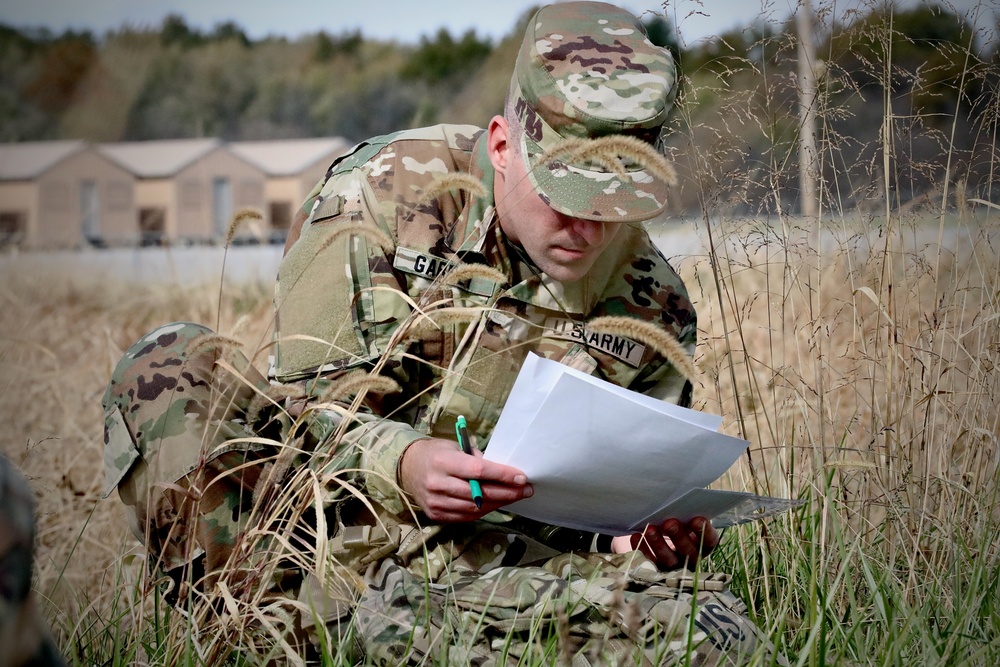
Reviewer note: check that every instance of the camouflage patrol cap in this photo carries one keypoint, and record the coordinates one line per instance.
(586, 69)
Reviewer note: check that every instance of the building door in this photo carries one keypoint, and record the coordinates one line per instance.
(222, 205)
(13, 227)
(90, 211)
(152, 225)
(281, 220)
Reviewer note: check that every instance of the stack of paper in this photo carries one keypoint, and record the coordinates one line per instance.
(609, 460)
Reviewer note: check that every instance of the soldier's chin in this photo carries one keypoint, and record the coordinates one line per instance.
(568, 269)
(567, 274)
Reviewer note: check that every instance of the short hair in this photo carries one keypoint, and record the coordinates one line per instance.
(515, 128)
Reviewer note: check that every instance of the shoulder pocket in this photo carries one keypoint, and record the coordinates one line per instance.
(120, 452)
(328, 208)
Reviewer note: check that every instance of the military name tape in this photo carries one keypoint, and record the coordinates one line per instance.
(417, 263)
(622, 348)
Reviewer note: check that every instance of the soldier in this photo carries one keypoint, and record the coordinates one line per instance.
(24, 637)
(418, 275)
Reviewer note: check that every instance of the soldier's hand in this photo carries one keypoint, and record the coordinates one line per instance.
(672, 544)
(436, 473)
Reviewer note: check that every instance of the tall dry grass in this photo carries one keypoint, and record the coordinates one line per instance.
(865, 376)
(59, 340)
(858, 350)
(885, 420)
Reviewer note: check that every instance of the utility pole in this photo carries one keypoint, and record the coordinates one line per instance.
(808, 158)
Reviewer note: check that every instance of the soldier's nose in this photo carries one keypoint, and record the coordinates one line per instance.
(589, 230)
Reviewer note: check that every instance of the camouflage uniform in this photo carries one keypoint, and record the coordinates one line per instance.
(379, 281)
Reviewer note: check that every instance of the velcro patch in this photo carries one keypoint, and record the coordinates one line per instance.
(619, 347)
(417, 263)
(330, 207)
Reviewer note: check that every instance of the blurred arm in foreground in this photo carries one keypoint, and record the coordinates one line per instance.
(24, 636)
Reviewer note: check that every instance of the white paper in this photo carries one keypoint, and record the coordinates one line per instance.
(606, 459)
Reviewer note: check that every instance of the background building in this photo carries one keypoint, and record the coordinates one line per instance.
(186, 190)
(59, 194)
(292, 167)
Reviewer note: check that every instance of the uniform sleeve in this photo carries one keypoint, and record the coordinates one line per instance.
(664, 381)
(337, 307)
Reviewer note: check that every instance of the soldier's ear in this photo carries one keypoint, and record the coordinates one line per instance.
(497, 144)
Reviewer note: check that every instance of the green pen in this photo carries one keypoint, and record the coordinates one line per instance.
(461, 430)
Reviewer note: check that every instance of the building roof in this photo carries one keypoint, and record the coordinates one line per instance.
(30, 159)
(288, 157)
(158, 159)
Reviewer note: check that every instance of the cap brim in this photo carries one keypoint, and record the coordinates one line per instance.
(591, 194)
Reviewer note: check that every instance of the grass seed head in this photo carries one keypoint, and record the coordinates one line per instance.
(357, 382)
(275, 393)
(664, 343)
(453, 182)
(433, 320)
(211, 342)
(369, 232)
(466, 271)
(610, 152)
(242, 215)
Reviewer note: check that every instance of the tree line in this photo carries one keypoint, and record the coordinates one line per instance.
(176, 81)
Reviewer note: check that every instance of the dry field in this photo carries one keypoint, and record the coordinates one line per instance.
(862, 363)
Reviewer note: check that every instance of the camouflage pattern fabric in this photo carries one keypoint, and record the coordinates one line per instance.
(396, 593)
(177, 424)
(24, 636)
(172, 448)
(584, 609)
(571, 80)
(344, 301)
(189, 464)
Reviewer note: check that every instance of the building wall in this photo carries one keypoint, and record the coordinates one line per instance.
(123, 209)
(283, 188)
(210, 191)
(62, 201)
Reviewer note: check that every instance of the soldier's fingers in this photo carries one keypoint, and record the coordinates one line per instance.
(454, 462)
(705, 533)
(451, 506)
(503, 474)
(461, 508)
(686, 545)
(491, 472)
(452, 516)
(456, 491)
(639, 543)
(453, 501)
(503, 494)
(657, 549)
